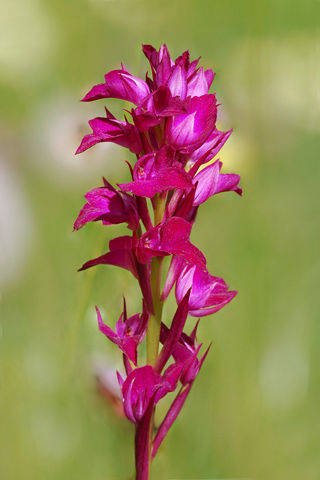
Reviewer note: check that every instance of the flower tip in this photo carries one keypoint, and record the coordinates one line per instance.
(84, 267)
(238, 190)
(85, 99)
(79, 150)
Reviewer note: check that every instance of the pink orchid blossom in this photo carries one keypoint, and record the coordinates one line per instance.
(129, 332)
(110, 206)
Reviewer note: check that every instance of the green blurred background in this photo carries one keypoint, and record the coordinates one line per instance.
(254, 409)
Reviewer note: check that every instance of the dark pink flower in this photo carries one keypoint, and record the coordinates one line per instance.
(143, 385)
(174, 333)
(171, 237)
(120, 255)
(210, 181)
(156, 106)
(119, 84)
(208, 293)
(110, 206)
(110, 129)
(181, 76)
(157, 172)
(185, 352)
(188, 131)
(129, 332)
(207, 151)
(200, 82)
(161, 63)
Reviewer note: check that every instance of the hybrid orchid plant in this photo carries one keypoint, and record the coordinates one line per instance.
(173, 135)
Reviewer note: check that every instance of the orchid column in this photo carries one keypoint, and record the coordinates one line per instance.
(173, 136)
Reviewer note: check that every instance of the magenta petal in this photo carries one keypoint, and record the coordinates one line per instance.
(169, 380)
(120, 379)
(167, 179)
(175, 238)
(208, 295)
(157, 172)
(127, 364)
(174, 270)
(228, 182)
(120, 255)
(129, 332)
(200, 83)
(121, 84)
(210, 182)
(178, 82)
(129, 347)
(104, 328)
(209, 77)
(157, 105)
(208, 150)
(192, 366)
(138, 388)
(160, 62)
(171, 237)
(136, 89)
(164, 67)
(188, 131)
(202, 312)
(185, 208)
(127, 403)
(97, 92)
(193, 68)
(87, 142)
(111, 130)
(110, 206)
(151, 54)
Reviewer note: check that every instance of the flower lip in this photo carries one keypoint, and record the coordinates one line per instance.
(170, 237)
(157, 172)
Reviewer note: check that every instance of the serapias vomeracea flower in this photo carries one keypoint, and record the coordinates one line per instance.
(109, 205)
(129, 332)
(170, 127)
(144, 384)
(170, 237)
(157, 172)
(110, 129)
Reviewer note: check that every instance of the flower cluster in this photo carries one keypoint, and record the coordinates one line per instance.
(172, 133)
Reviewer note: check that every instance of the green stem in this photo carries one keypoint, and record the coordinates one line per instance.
(159, 209)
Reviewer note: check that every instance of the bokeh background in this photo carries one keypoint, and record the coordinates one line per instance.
(254, 409)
